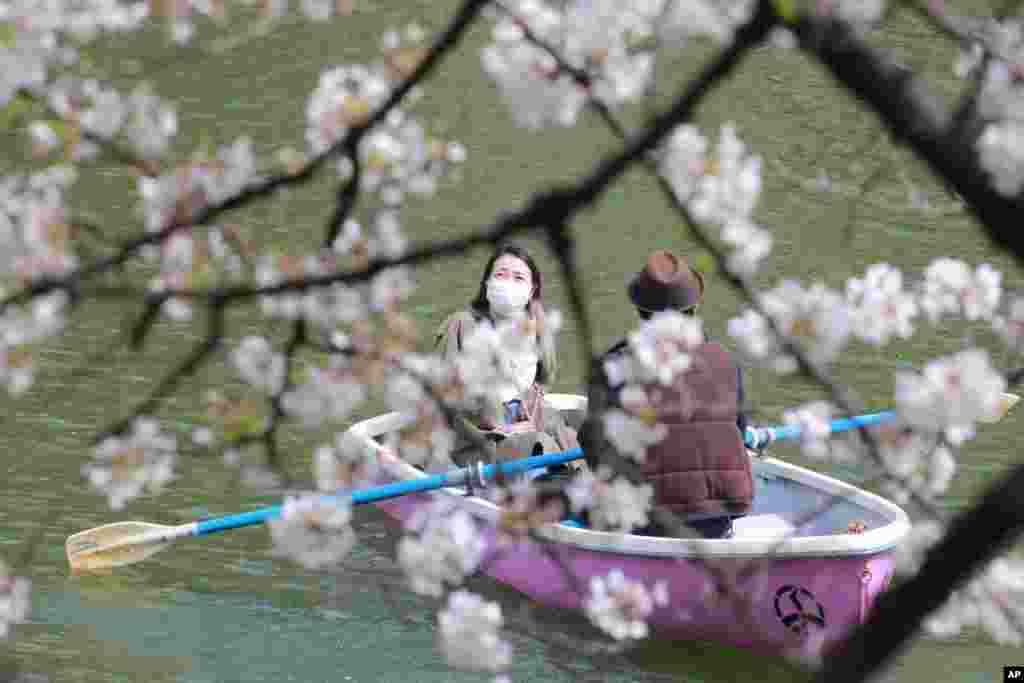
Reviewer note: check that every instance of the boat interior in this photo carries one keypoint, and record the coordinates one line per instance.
(815, 513)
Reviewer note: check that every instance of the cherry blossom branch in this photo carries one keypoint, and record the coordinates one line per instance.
(670, 521)
(546, 208)
(915, 118)
(598, 448)
(265, 187)
(973, 540)
(740, 283)
(200, 353)
(277, 414)
(115, 151)
(959, 29)
(347, 197)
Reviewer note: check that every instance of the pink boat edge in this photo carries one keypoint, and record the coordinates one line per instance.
(808, 590)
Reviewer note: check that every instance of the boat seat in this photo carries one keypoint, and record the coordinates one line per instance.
(753, 526)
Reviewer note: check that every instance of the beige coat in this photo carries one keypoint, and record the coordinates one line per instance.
(543, 424)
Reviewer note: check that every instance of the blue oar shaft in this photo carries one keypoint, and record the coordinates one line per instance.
(458, 477)
(399, 488)
(792, 432)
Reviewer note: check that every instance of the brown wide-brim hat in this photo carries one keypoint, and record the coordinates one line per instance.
(667, 282)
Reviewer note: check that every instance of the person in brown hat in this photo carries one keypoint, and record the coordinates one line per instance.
(701, 470)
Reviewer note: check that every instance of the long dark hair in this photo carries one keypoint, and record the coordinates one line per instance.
(481, 308)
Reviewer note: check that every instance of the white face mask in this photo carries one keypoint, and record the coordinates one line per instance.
(508, 298)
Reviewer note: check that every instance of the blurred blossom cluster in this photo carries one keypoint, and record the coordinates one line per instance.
(37, 241)
(719, 190)
(313, 530)
(468, 631)
(993, 600)
(620, 606)
(612, 503)
(444, 547)
(396, 157)
(180, 195)
(124, 467)
(548, 59)
(876, 309)
(345, 464)
(1000, 103)
(15, 599)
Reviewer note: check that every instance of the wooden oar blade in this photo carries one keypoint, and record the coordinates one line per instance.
(115, 545)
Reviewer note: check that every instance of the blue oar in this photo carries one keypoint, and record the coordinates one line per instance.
(123, 543)
(758, 437)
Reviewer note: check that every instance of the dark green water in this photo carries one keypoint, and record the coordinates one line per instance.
(220, 609)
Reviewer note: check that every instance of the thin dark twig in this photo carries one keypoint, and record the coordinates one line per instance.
(552, 207)
(974, 538)
(277, 413)
(265, 187)
(918, 120)
(114, 150)
(348, 196)
(171, 381)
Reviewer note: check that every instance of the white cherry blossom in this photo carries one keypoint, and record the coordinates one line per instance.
(313, 530)
(344, 97)
(992, 602)
(682, 160)
(443, 547)
(718, 19)
(1010, 327)
(347, 463)
(817, 318)
(660, 348)
(880, 308)
(750, 245)
(123, 467)
(630, 435)
(390, 287)
(259, 365)
(275, 270)
(1001, 154)
(180, 194)
(20, 328)
(538, 92)
(428, 442)
(814, 421)
(15, 600)
(331, 305)
(620, 606)
(951, 394)
(925, 466)
(949, 287)
(468, 630)
(330, 393)
(731, 186)
(720, 191)
(862, 14)
(398, 157)
(615, 505)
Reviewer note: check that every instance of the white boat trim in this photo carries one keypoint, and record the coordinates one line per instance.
(872, 541)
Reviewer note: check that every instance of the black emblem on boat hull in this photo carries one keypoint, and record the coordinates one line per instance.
(797, 609)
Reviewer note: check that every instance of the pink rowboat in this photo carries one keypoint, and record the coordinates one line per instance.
(810, 586)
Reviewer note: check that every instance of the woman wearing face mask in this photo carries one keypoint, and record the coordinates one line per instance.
(511, 289)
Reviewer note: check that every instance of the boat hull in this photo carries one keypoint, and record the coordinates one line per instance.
(798, 605)
(797, 578)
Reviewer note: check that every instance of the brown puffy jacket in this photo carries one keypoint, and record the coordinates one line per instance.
(701, 469)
